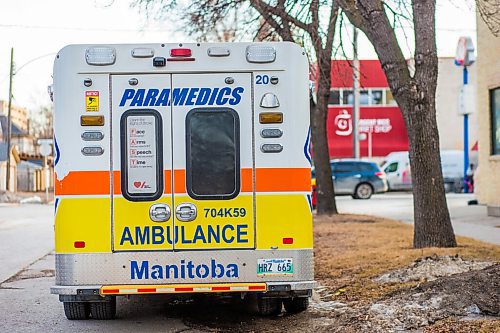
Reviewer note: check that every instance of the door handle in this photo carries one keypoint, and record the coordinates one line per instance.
(185, 212)
(159, 212)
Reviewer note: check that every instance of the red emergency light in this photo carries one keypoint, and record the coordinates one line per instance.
(180, 52)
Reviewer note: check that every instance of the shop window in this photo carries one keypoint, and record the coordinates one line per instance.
(334, 98)
(377, 97)
(389, 99)
(347, 97)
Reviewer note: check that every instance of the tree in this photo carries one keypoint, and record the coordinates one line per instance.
(415, 95)
(414, 92)
(290, 20)
(41, 122)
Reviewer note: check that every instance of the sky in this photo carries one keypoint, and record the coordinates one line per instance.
(37, 29)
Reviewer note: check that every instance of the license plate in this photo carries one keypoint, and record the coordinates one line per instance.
(275, 267)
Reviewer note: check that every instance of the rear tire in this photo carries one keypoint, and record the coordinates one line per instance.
(296, 304)
(77, 310)
(363, 191)
(269, 306)
(103, 310)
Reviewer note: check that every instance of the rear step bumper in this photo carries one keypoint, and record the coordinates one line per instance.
(96, 290)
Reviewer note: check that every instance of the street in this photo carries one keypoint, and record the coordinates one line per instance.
(27, 272)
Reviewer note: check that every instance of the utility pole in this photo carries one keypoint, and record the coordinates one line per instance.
(9, 126)
(355, 95)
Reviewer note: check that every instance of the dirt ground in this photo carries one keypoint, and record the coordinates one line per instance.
(371, 280)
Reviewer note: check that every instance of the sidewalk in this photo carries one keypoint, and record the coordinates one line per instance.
(468, 221)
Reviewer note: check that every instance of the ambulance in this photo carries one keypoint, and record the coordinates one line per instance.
(182, 169)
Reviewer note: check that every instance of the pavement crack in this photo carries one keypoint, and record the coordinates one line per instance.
(26, 273)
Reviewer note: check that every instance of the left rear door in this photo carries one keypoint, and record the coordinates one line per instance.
(141, 163)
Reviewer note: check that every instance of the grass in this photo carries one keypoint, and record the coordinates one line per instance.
(352, 249)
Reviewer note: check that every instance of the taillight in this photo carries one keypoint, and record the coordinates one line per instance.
(380, 174)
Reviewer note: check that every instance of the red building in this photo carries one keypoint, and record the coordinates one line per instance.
(381, 125)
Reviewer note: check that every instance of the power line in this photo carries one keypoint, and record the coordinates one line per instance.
(25, 26)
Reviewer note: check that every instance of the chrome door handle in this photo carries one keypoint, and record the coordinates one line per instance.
(185, 212)
(159, 212)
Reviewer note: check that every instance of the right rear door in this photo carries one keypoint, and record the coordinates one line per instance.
(212, 155)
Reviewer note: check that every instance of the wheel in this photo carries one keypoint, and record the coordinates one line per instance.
(76, 310)
(296, 304)
(269, 306)
(363, 191)
(103, 310)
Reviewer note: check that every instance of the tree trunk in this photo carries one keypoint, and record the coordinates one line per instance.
(432, 225)
(325, 194)
(416, 99)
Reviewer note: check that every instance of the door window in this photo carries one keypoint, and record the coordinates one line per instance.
(393, 167)
(141, 155)
(212, 153)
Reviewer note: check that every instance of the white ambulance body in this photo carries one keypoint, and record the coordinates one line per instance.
(182, 168)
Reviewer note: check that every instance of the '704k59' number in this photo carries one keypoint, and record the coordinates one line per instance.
(225, 212)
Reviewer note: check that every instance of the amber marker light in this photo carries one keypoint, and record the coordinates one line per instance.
(271, 118)
(92, 120)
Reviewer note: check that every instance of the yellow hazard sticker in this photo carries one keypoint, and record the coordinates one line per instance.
(91, 101)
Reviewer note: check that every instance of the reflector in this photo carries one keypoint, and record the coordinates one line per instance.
(79, 244)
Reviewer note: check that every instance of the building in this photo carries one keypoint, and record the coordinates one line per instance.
(18, 115)
(381, 123)
(488, 109)
(450, 123)
(14, 160)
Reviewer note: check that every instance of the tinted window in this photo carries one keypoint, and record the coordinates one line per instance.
(343, 167)
(393, 167)
(212, 153)
(365, 167)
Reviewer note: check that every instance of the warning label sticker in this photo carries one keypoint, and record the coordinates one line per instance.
(91, 101)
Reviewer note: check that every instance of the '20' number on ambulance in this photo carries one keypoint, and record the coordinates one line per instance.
(225, 212)
(261, 79)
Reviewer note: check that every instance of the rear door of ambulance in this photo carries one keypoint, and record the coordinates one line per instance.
(141, 163)
(182, 162)
(213, 161)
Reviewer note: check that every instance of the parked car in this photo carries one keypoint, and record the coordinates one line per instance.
(396, 165)
(359, 179)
